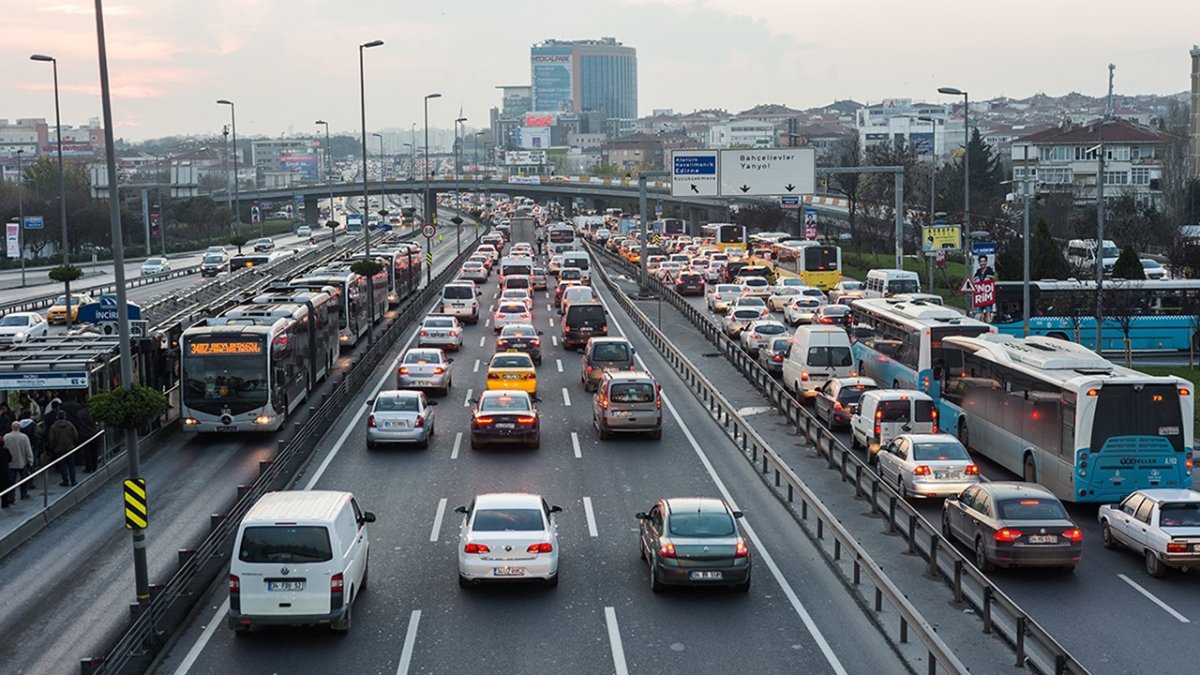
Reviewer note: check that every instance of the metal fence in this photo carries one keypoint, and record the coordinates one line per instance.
(44, 301)
(199, 567)
(1032, 645)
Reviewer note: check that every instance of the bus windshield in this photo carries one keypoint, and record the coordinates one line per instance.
(731, 234)
(1126, 410)
(220, 374)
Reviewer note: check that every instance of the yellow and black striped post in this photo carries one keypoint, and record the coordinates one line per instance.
(136, 514)
(429, 258)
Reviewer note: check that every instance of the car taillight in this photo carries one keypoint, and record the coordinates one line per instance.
(921, 470)
(544, 547)
(536, 342)
(1173, 546)
(424, 334)
(779, 358)
(1007, 534)
(741, 551)
(483, 420)
(667, 550)
(371, 421)
(878, 430)
(804, 377)
(1188, 461)
(404, 370)
(837, 405)
(501, 342)
(337, 583)
(235, 584)
(529, 419)
(755, 336)
(439, 370)
(971, 470)
(420, 423)
(1075, 534)
(493, 376)
(476, 548)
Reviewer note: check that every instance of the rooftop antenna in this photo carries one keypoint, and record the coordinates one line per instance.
(1108, 111)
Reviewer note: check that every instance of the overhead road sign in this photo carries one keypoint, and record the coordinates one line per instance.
(768, 172)
(941, 237)
(789, 202)
(34, 222)
(694, 173)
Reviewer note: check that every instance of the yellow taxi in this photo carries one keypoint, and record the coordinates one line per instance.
(58, 311)
(512, 370)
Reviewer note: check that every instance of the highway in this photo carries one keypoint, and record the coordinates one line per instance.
(603, 616)
(1109, 586)
(68, 587)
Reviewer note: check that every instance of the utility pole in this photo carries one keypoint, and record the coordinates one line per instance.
(1100, 214)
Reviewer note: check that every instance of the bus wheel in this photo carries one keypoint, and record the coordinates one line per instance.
(1030, 470)
(964, 435)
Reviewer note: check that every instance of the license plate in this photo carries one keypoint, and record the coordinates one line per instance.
(506, 425)
(395, 424)
(512, 377)
(508, 571)
(706, 575)
(619, 413)
(227, 429)
(585, 329)
(1043, 539)
(946, 475)
(1196, 548)
(285, 585)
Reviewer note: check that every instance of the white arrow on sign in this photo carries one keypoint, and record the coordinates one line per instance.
(767, 172)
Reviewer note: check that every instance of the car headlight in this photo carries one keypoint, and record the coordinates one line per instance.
(19, 336)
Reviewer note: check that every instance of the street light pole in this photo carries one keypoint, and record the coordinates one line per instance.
(21, 220)
(237, 201)
(329, 178)
(1100, 238)
(382, 200)
(457, 158)
(932, 182)
(362, 100)
(62, 179)
(425, 207)
(140, 574)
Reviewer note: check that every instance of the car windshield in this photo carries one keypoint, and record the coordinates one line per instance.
(852, 286)
(397, 404)
(770, 328)
(1151, 264)
(506, 403)
(154, 261)
(422, 356)
(439, 323)
(701, 524)
(14, 320)
(285, 544)
(511, 361)
(508, 520)
(929, 452)
(780, 346)
(1179, 514)
(214, 260)
(632, 392)
(1032, 508)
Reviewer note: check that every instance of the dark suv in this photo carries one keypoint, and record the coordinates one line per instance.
(583, 321)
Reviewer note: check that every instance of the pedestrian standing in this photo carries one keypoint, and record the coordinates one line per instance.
(22, 456)
(63, 437)
(77, 414)
(6, 416)
(5, 479)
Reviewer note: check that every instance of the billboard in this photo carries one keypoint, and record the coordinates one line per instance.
(921, 142)
(983, 277)
(539, 120)
(941, 237)
(533, 138)
(524, 157)
(304, 164)
(553, 78)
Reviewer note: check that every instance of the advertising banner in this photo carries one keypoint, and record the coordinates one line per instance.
(941, 237)
(304, 164)
(533, 137)
(983, 275)
(552, 73)
(524, 157)
(12, 234)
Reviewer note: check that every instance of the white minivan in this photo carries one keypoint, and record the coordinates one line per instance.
(886, 283)
(884, 414)
(459, 298)
(300, 558)
(580, 260)
(818, 353)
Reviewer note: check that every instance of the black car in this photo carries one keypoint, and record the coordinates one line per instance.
(838, 398)
(583, 320)
(690, 283)
(694, 541)
(265, 244)
(836, 315)
(521, 338)
(505, 416)
(773, 355)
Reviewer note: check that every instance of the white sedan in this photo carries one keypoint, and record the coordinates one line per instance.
(154, 266)
(521, 295)
(755, 287)
(505, 536)
(781, 296)
(19, 327)
(508, 313)
(801, 310)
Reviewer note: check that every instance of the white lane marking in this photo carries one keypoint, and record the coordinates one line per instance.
(457, 442)
(437, 520)
(549, 307)
(487, 323)
(558, 364)
(555, 339)
(482, 340)
(550, 320)
(575, 445)
(566, 397)
(797, 606)
(476, 368)
(467, 398)
(410, 640)
(614, 641)
(1150, 596)
(591, 517)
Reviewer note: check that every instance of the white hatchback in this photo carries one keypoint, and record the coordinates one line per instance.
(508, 536)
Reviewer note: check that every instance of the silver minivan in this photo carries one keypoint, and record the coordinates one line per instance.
(628, 402)
(884, 414)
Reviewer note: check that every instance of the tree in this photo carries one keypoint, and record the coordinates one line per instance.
(760, 217)
(238, 240)
(848, 153)
(65, 274)
(127, 408)
(987, 176)
(1128, 265)
(333, 226)
(1122, 305)
(1137, 222)
(1046, 260)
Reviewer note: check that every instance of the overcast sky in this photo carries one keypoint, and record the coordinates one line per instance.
(288, 62)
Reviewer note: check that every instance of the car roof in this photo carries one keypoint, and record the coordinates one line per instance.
(930, 438)
(603, 340)
(854, 381)
(630, 376)
(501, 393)
(506, 500)
(1171, 495)
(1011, 489)
(421, 351)
(517, 355)
(702, 504)
(398, 393)
(296, 505)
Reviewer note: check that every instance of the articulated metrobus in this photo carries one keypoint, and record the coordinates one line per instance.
(725, 235)
(350, 289)
(1058, 414)
(903, 345)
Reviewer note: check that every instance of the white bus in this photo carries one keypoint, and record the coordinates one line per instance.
(1056, 413)
(903, 342)
(351, 292)
(560, 238)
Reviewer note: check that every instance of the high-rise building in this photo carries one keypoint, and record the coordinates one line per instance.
(585, 76)
(1195, 123)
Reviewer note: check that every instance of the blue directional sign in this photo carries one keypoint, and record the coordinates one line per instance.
(25, 381)
(696, 165)
(789, 202)
(694, 173)
(106, 310)
(34, 222)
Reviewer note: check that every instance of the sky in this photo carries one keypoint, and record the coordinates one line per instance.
(286, 63)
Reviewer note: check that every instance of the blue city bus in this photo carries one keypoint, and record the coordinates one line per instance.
(898, 343)
(1065, 310)
(1056, 413)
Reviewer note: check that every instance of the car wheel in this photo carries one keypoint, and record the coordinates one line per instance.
(900, 486)
(370, 445)
(981, 559)
(552, 582)
(536, 443)
(342, 626)
(641, 549)
(656, 435)
(946, 531)
(743, 587)
(475, 445)
(241, 630)
(424, 443)
(604, 433)
(1068, 569)
(1155, 566)
(964, 434)
(854, 444)
(463, 582)
(656, 586)
(1106, 536)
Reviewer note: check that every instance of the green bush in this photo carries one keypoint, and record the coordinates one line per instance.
(128, 408)
(65, 273)
(367, 268)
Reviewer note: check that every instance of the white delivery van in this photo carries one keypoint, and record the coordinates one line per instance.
(300, 558)
(580, 260)
(459, 298)
(884, 414)
(818, 353)
(886, 283)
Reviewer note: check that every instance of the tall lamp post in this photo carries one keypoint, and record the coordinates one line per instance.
(362, 96)
(425, 207)
(932, 181)
(62, 179)
(477, 135)
(382, 202)
(329, 176)
(21, 221)
(951, 91)
(457, 168)
(237, 201)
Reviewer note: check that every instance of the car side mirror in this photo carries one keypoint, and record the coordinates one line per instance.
(539, 332)
(432, 402)
(738, 514)
(641, 515)
(473, 401)
(907, 427)
(368, 517)
(951, 498)
(370, 401)
(556, 509)
(449, 359)
(461, 509)
(536, 399)
(579, 351)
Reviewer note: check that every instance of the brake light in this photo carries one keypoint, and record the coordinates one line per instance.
(476, 548)
(501, 342)
(804, 377)
(235, 584)
(439, 370)
(483, 420)
(420, 424)
(536, 342)
(1074, 534)
(921, 470)
(493, 376)
(337, 583)
(837, 405)
(1006, 534)
(424, 334)
(935, 421)
(371, 421)
(544, 547)
(1175, 547)
(779, 358)
(971, 470)
(667, 550)
(403, 370)
(1188, 462)
(526, 419)
(741, 551)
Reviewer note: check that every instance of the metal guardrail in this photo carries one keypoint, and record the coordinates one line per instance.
(44, 301)
(764, 458)
(172, 602)
(1032, 645)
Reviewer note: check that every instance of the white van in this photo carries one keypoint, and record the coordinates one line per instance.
(886, 283)
(300, 558)
(1081, 254)
(884, 414)
(818, 353)
(459, 298)
(580, 260)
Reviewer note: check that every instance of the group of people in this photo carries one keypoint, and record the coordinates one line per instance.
(39, 432)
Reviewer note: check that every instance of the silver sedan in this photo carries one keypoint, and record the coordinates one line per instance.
(927, 465)
(400, 416)
(441, 331)
(425, 368)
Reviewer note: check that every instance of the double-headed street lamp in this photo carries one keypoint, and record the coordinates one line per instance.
(457, 205)
(237, 202)
(952, 91)
(362, 95)
(425, 208)
(329, 176)
(62, 179)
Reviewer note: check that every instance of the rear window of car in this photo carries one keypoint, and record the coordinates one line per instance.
(728, 288)
(1032, 508)
(397, 404)
(701, 524)
(746, 314)
(631, 392)
(835, 310)
(894, 411)
(458, 292)
(757, 282)
(422, 357)
(579, 263)
(512, 309)
(836, 357)
(930, 452)
(504, 403)
(508, 520)
(512, 361)
(853, 393)
(590, 313)
(1179, 514)
(521, 283)
(770, 329)
(570, 273)
(285, 544)
(439, 323)
(610, 351)
(518, 331)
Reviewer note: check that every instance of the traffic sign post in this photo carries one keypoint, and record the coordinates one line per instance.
(427, 231)
(137, 515)
(694, 173)
(34, 222)
(768, 172)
